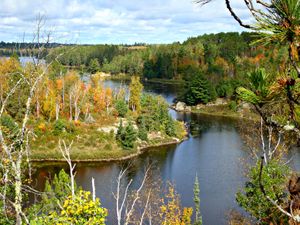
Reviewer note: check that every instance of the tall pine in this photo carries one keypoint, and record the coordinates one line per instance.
(198, 217)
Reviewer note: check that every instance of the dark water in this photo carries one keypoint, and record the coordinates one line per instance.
(214, 153)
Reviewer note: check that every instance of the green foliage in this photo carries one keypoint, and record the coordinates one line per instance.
(9, 126)
(260, 82)
(126, 136)
(233, 106)
(56, 70)
(274, 178)
(260, 88)
(54, 195)
(122, 107)
(198, 89)
(155, 116)
(170, 126)
(6, 214)
(80, 210)
(281, 22)
(198, 217)
(94, 66)
(142, 132)
(248, 96)
(224, 89)
(62, 125)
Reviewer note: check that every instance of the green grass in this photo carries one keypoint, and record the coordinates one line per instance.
(225, 111)
(165, 81)
(89, 144)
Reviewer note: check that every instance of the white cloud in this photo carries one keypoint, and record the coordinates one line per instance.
(118, 21)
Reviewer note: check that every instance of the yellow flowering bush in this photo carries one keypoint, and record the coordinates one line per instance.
(79, 210)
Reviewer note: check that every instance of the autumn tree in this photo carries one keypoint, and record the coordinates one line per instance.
(135, 89)
(171, 212)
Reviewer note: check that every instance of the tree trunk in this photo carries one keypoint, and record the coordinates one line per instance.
(57, 110)
(71, 116)
(38, 109)
(18, 192)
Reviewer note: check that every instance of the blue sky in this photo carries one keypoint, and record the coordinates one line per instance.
(116, 21)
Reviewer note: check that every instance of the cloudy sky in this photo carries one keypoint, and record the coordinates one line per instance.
(116, 21)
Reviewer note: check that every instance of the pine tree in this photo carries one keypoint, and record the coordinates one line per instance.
(94, 66)
(129, 137)
(198, 90)
(126, 136)
(142, 134)
(170, 127)
(120, 131)
(198, 217)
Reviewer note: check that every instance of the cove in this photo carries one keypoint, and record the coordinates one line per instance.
(214, 152)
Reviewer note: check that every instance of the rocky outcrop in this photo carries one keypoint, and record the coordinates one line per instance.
(182, 107)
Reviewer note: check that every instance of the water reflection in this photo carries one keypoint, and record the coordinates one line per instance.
(213, 155)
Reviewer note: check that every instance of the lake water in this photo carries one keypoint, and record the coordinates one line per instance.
(215, 153)
(26, 59)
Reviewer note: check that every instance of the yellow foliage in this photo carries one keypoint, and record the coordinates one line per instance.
(171, 212)
(42, 127)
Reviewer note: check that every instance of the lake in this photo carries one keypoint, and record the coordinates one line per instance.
(215, 153)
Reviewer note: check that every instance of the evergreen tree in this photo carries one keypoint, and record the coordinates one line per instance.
(198, 217)
(142, 134)
(170, 127)
(129, 137)
(198, 90)
(121, 107)
(94, 66)
(126, 136)
(120, 131)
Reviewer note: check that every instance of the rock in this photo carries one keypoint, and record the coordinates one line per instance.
(200, 106)
(188, 109)
(108, 129)
(154, 135)
(220, 101)
(180, 106)
(243, 107)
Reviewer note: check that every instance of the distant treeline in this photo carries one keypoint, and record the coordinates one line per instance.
(224, 59)
(24, 49)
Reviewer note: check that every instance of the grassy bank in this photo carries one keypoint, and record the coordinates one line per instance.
(91, 143)
(165, 81)
(225, 111)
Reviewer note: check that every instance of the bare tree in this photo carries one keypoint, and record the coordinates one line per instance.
(15, 148)
(65, 151)
(124, 208)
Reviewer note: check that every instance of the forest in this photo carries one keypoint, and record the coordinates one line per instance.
(223, 59)
(61, 111)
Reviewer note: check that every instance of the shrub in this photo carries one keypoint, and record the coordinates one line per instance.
(8, 122)
(233, 106)
(62, 125)
(9, 126)
(170, 127)
(274, 177)
(80, 209)
(59, 126)
(121, 107)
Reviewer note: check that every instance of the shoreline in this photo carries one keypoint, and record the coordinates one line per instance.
(139, 151)
(221, 110)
